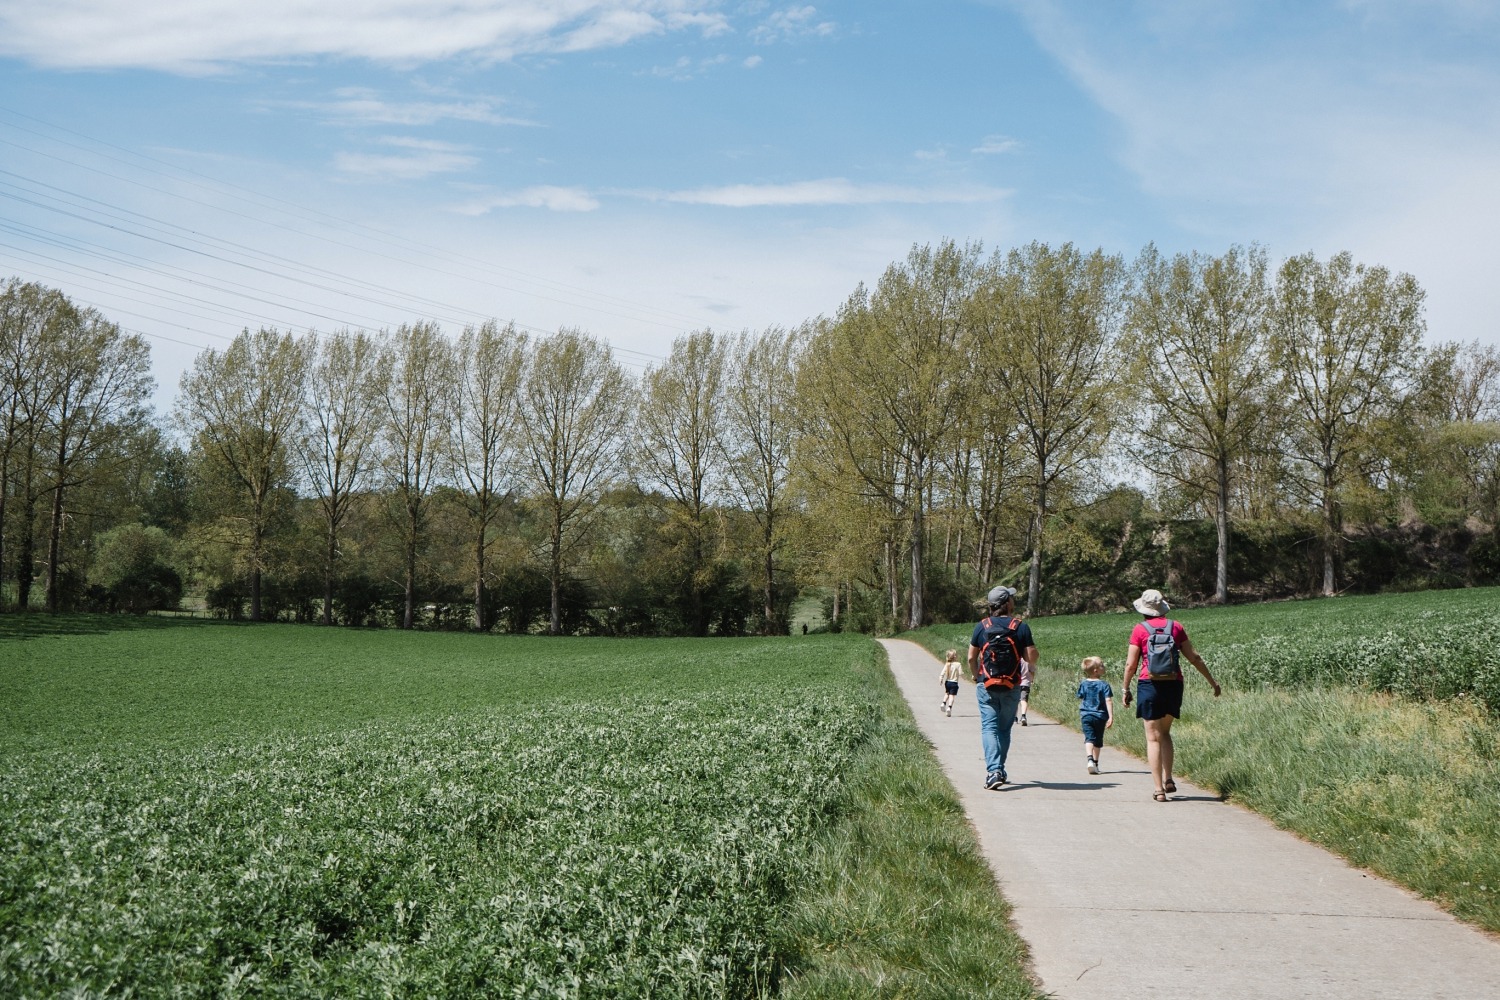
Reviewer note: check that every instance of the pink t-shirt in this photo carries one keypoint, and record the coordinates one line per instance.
(1138, 640)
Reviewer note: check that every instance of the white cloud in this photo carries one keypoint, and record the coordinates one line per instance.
(556, 199)
(204, 36)
(426, 157)
(994, 145)
(830, 191)
(365, 107)
(611, 29)
(752, 62)
(685, 68)
(712, 25)
(792, 23)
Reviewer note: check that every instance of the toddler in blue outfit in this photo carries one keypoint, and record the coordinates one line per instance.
(1096, 709)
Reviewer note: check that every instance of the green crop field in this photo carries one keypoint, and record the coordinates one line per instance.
(195, 809)
(1370, 725)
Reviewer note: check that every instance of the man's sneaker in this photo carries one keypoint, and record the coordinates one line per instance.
(1093, 766)
(1023, 718)
(950, 711)
(994, 780)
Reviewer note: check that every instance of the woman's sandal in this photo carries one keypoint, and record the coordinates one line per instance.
(1159, 796)
(1170, 787)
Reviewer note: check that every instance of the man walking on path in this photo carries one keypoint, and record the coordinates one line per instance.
(1002, 659)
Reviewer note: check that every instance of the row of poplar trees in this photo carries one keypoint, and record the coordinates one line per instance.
(978, 388)
(963, 402)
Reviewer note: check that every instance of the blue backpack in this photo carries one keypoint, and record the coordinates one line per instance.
(1161, 652)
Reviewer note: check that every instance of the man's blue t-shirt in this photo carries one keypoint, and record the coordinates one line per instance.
(1092, 694)
(1023, 635)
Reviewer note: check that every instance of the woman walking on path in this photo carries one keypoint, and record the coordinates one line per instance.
(1152, 660)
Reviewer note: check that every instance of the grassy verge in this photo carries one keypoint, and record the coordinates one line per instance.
(1407, 788)
(900, 902)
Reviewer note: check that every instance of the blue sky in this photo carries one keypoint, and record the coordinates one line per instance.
(641, 168)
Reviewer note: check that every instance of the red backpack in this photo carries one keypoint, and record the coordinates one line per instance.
(1000, 657)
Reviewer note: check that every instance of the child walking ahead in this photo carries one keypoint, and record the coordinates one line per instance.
(1096, 709)
(950, 682)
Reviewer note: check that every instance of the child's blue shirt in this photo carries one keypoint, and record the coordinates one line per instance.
(1092, 694)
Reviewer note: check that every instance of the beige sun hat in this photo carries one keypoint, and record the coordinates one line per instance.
(1151, 602)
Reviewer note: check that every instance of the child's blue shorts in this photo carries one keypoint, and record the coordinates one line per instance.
(1093, 729)
(951, 687)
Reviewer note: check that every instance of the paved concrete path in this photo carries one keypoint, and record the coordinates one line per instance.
(1120, 896)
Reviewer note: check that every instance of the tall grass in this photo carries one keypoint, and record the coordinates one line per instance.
(1405, 784)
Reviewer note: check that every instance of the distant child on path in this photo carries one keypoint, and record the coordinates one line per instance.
(1096, 709)
(950, 681)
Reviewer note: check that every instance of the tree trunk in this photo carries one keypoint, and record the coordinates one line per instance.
(958, 556)
(984, 556)
(409, 612)
(893, 587)
(255, 536)
(1330, 539)
(54, 547)
(1330, 521)
(556, 621)
(26, 561)
(333, 549)
(4, 479)
(479, 580)
(1034, 580)
(836, 588)
(695, 584)
(769, 626)
(1221, 522)
(918, 544)
(26, 556)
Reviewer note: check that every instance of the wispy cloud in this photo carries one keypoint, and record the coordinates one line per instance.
(792, 23)
(686, 69)
(830, 191)
(995, 145)
(422, 158)
(556, 199)
(360, 106)
(205, 36)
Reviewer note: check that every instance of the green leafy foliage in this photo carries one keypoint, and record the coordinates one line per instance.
(641, 847)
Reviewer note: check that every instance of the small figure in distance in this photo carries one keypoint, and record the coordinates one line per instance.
(1152, 655)
(1096, 710)
(1002, 658)
(949, 680)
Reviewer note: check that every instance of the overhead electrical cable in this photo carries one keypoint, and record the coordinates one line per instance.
(301, 212)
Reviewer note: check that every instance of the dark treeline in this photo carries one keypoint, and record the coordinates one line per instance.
(1066, 421)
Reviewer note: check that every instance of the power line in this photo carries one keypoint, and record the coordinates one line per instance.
(609, 305)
